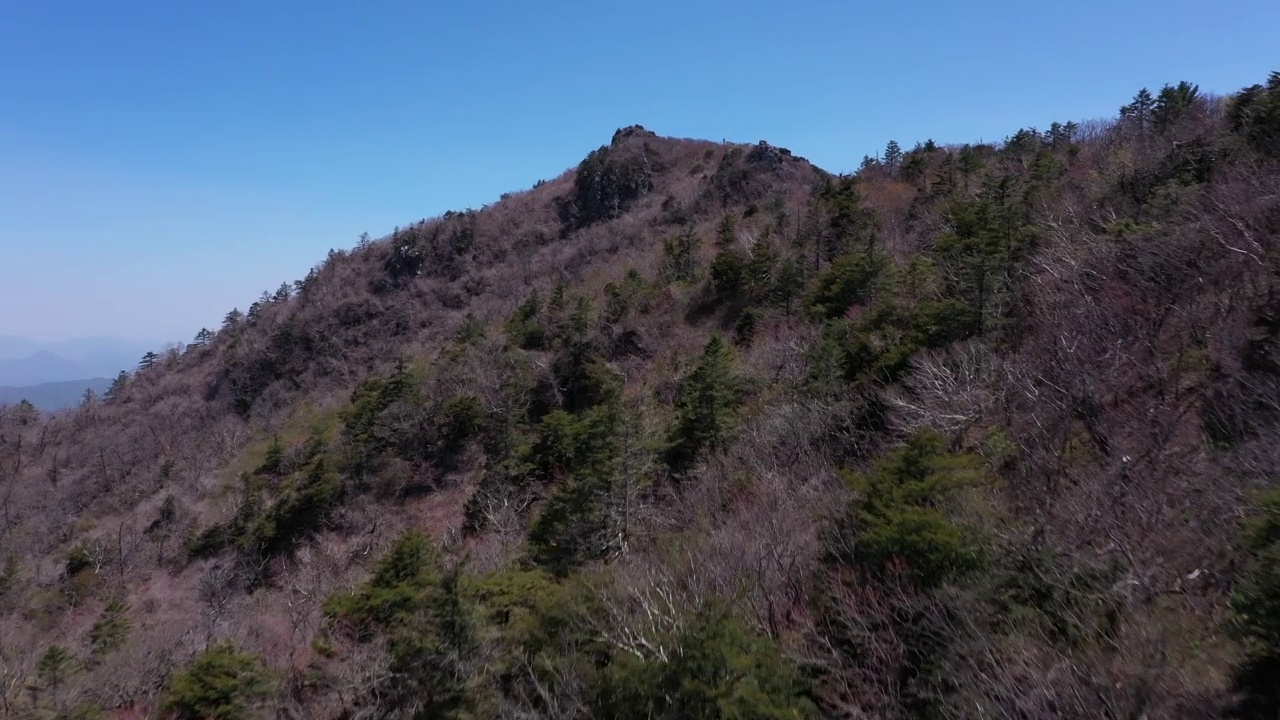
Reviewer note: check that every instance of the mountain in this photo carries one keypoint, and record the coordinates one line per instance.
(28, 362)
(41, 366)
(700, 430)
(53, 396)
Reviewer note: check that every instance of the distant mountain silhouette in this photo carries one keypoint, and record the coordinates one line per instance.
(25, 362)
(53, 396)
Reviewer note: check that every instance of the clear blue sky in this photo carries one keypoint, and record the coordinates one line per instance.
(162, 161)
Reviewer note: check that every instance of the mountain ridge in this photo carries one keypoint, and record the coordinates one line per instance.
(697, 429)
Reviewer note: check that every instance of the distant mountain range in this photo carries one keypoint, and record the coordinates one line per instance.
(53, 396)
(25, 362)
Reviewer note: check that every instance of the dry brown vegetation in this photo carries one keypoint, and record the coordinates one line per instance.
(975, 438)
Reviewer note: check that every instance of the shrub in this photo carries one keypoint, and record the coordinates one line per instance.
(849, 281)
(111, 629)
(221, 684)
(715, 668)
(900, 513)
(395, 591)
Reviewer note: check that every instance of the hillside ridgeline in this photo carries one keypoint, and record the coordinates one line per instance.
(699, 430)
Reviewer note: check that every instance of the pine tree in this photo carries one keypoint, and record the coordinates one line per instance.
(148, 361)
(1138, 112)
(705, 410)
(232, 319)
(892, 155)
(727, 231)
(54, 667)
(118, 386)
(1172, 104)
(788, 284)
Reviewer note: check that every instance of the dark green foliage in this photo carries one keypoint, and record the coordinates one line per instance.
(901, 513)
(274, 458)
(525, 328)
(428, 677)
(632, 296)
(1073, 605)
(111, 628)
(396, 590)
(705, 409)
(78, 561)
(1139, 111)
(26, 412)
(878, 346)
(249, 373)
(418, 605)
(1256, 606)
(680, 257)
(727, 230)
(849, 281)
(301, 509)
(221, 684)
(788, 284)
(1255, 114)
(277, 511)
(850, 226)
(728, 273)
(536, 628)
(745, 327)
(405, 260)
(118, 386)
(365, 423)
(461, 420)
(584, 378)
(892, 155)
(715, 669)
(1173, 102)
(988, 236)
(54, 666)
(582, 453)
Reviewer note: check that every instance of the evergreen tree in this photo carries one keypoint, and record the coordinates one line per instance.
(900, 512)
(968, 164)
(117, 386)
(232, 319)
(221, 684)
(1173, 102)
(760, 268)
(705, 409)
(788, 284)
(681, 257)
(850, 224)
(148, 361)
(727, 231)
(892, 156)
(53, 668)
(1255, 602)
(1138, 112)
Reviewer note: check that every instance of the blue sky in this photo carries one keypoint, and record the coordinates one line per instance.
(166, 161)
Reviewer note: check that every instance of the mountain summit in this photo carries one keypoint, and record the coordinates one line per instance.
(699, 430)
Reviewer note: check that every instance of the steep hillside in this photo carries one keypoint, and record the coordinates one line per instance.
(700, 430)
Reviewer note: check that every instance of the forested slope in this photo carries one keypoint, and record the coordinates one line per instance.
(698, 430)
